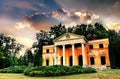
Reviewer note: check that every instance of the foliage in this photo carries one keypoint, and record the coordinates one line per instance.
(107, 74)
(38, 58)
(22, 61)
(9, 48)
(56, 70)
(28, 57)
(13, 69)
(43, 38)
(57, 30)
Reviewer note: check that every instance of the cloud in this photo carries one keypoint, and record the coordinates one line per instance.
(113, 26)
(117, 4)
(108, 10)
(20, 25)
(41, 20)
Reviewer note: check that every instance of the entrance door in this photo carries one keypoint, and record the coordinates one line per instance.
(70, 61)
(61, 60)
(80, 60)
(103, 60)
(47, 62)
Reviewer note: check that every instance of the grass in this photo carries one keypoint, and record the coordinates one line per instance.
(106, 74)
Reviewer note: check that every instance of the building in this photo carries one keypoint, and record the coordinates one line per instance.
(72, 49)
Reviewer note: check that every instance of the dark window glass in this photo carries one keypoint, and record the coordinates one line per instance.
(103, 60)
(92, 60)
(47, 50)
(47, 62)
(90, 46)
(100, 45)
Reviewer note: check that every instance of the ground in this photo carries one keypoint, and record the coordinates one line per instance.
(106, 74)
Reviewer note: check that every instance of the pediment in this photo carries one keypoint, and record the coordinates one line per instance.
(68, 36)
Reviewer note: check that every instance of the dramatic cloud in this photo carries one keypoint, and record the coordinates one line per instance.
(42, 20)
(23, 18)
(104, 8)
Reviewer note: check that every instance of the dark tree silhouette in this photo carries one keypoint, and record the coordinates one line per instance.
(57, 30)
(43, 38)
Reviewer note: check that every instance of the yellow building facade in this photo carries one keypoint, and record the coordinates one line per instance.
(72, 49)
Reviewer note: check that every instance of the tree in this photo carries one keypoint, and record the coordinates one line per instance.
(43, 38)
(9, 45)
(8, 50)
(58, 30)
(29, 56)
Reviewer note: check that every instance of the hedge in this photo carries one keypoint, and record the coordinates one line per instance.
(56, 70)
(13, 69)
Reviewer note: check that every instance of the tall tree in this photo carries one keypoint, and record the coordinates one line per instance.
(8, 50)
(43, 38)
(29, 56)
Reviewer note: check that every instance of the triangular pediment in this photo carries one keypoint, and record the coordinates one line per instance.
(68, 36)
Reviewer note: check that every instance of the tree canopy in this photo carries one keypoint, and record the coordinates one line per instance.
(9, 48)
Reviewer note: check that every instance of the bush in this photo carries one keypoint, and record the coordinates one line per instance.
(56, 70)
(13, 69)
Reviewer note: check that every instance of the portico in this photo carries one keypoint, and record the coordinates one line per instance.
(68, 43)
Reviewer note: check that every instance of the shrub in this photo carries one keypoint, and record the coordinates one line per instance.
(13, 69)
(56, 70)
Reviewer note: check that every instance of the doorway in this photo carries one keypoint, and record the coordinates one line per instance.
(70, 61)
(80, 60)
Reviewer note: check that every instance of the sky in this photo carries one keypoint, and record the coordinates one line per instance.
(22, 19)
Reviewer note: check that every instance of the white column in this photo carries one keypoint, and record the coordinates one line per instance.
(63, 54)
(55, 53)
(73, 54)
(84, 56)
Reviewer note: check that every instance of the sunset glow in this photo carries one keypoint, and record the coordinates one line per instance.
(22, 19)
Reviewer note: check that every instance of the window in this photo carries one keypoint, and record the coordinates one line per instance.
(47, 62)
(47, 50)
(90, 46)
(103, 60)
(92, 60)
(100, 45)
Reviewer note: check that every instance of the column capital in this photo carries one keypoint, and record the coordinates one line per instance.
(73, 44)
(63, 44)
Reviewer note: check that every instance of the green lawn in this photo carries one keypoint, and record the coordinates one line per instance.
(107, 74)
